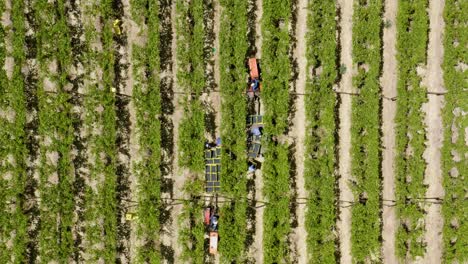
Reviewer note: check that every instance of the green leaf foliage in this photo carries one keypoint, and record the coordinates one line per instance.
(276, 75)
(456, 102)
(320, 103)
(412, 34)
(233, 49)
(365, 135)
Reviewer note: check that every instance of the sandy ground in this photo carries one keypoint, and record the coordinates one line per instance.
(216, 96)
(389, 87)
(344, 222)
(433, 121)
(132, 30)
(257, 248)
(179, 175)
(300, 234)
(258, 27)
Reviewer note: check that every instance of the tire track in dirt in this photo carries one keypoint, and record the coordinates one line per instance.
(346, 85)
(216, 96)
(299, 121)
(132, 31)
(389, 90)
(179, 174)
(258, 237)
(433, 120)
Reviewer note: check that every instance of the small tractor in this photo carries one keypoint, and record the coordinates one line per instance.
(211, 223)
(254, 88)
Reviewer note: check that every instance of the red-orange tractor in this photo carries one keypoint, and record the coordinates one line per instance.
(253, 91)
(211, 222)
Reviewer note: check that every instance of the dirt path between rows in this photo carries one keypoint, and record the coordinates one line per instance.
(216, 96)
(133, 33)
(300, 234)
(389, 90)
(179, 175)
(258, 27)
(433, 120)
(257, 248)
(344, 222)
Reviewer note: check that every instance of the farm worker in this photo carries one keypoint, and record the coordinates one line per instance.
(252, 168)
(214, 222)
(218, 141)
(117, 26)
(254, 85)
(256, 131)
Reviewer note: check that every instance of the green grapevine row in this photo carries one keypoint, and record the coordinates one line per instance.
(191, 79)
(100, 193)
(13, 222)
(146, 94)
(276, 79)
(320, 103)
(106, 143)
(365, 136)
(412, 28)
(456, 101)
(5, 196)
(56, 131)
(233, 49)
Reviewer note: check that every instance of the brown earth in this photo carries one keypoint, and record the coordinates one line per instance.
(135, 36)
(216, 96)
(344, 222)
(257, 247)
(389, 90)
(298, 131)
(179, 175)
(433, 121)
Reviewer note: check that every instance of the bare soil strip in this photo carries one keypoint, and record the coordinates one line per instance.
(389, 90)
(134, 38)
(123, 125)
(344, 222)
(179, 176)
(300, 234)
(258, 27)
(216, 96)
(258, 237)
(433, 120)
